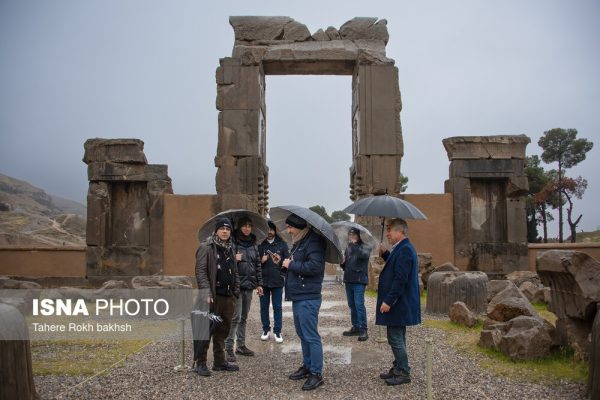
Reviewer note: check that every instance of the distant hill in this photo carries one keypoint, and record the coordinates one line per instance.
(31, 217)
(587, 237)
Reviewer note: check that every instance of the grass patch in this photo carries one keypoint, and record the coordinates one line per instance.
(80, 357)
(371, 293)
(542, 309)
(560, 365)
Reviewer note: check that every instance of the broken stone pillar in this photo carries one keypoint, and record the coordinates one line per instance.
(125, 210)
(446, 288)
(488, 184)
(283, 46)
(574, 280)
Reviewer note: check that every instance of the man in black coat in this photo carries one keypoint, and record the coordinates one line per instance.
(218, 281)
(273, 251)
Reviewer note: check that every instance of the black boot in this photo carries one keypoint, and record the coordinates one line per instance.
(387, 375)
(300, 373)
(363, 335)
(399, 378)
(202, 370)
(229, 367)
(352, 332)
(313, 382)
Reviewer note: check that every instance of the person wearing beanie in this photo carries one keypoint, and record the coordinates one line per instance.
(273, 251)
(356, 277)
(250, 271)
(219, 282)
(305, 271)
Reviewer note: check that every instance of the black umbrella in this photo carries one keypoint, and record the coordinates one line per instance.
(384, 206)
(341, 229)
(333, 253)
(204, 324)
(259, 223)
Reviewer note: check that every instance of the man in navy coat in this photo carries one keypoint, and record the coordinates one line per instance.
(398, 299)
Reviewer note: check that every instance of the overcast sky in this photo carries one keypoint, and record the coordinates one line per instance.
(72, 70)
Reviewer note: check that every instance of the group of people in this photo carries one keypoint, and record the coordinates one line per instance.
(230, 266)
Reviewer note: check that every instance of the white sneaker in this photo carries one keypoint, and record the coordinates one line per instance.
(265, 335)
(278, 338)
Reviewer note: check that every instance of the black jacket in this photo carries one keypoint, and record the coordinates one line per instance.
(206, 268)
(356, 265)
(305, 273)
(249, 268)
(273, 275)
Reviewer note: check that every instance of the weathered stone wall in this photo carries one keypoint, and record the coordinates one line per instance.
(488, 184)
(48, 262)
(125, 210)
(535, 249)
(282, 46)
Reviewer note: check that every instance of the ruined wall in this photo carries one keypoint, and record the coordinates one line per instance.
(183, 217)
(488, 183)
(43, 262)
(282, 46)
(591, 249)
(124, 210)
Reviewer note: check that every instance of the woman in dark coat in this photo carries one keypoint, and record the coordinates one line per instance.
(356, 278)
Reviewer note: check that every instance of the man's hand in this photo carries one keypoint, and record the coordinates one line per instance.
(381, 250)
(209, 300)
(238, 257)
(264, 259)
(259, 290)
(286, 263)
(276, 258)
(384, 308)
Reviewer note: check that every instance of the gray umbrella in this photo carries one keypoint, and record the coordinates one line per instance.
(259, 223)
(385, 205)
(341, 229)
(333, 253)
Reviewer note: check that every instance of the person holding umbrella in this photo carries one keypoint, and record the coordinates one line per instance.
(250, 272)
(398, 300)
(356, 278)
(273, 250)
(217, 275)
(305, 272)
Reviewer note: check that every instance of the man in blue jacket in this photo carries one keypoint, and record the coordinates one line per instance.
(398, 299)
(306, 268)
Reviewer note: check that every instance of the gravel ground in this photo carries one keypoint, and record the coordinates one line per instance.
(351, 368)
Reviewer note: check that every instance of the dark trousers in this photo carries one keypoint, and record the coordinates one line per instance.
(276, 294)
(223, 306)
(396, 336)
(355, 293)
(306, 321)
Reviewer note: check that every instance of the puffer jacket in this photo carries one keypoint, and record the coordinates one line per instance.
(273, 275)
(356, 265)
(206, 268)
(306, 271)
(249, 268)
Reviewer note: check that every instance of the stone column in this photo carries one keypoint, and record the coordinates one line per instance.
(488, 184)
(125, 210)
(242, 173)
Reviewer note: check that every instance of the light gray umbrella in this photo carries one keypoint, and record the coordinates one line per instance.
(333, 253)
(384, 206)
(341, 229)
(259, 223)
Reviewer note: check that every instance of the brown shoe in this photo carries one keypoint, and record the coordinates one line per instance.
(244, 351)
(230, 356)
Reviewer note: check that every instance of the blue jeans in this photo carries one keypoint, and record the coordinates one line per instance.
(355, 293)
(276, 294)
(396, 336)
(306, 319)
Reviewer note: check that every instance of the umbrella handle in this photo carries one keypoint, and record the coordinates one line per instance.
(382, 228)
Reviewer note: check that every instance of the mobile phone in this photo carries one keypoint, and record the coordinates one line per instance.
(270, 253)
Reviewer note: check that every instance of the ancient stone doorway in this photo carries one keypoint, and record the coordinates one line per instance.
(282, 46)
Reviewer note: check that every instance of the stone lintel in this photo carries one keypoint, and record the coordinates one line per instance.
(486, 147)
(109, 171)
(116, 150)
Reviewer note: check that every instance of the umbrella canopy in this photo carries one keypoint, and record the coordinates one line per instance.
(333, 253)
(259, 223)
(341, 229)
(385, 206)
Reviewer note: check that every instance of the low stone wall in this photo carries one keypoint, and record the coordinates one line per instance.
(592, 249)
(43, 262)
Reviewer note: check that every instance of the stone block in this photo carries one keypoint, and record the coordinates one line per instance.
(117, 172)
(376, 175)
(446, 288)
(320, 36)
(239, 133)
(98, 206)
(489, 339)
(333, 33)
(574, 278)
(248, 55)
(445, 267)
(244, 92)
(496, 286)
(237, 175)
(459, 313)
(511, 308)
(532, 291)
(519, 277)
(594, 375)
(249, 28)
(114, 150)
(296, 31)
(575, 333)
(162, 282)
(486, 147)
(365, 28)
(528, 338)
